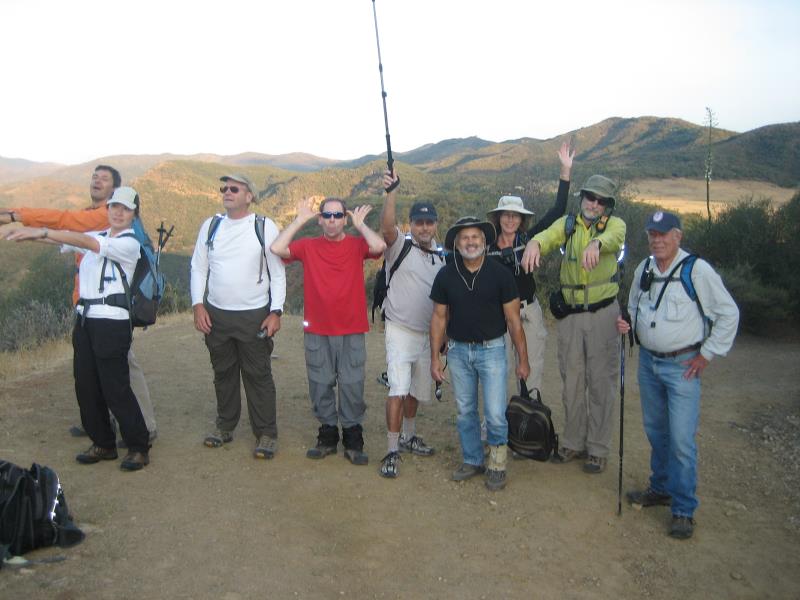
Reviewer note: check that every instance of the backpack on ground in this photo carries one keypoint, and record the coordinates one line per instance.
(530, 426)
(146, 288)
(33, 511)
(382, 281)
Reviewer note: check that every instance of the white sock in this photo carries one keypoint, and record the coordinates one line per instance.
(409, 427)
(393, 441)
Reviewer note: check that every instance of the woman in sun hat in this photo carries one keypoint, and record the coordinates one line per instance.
(512, 222)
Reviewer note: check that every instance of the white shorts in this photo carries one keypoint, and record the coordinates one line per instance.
(408, 362)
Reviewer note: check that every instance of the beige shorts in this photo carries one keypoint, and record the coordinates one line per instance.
(408, 362)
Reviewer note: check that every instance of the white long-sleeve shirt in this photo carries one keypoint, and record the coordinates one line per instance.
(232, 266)
(677, 323)
(125, 251)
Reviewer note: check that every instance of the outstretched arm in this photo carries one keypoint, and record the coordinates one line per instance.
(93, 219)
(71, 238)
(305, 212)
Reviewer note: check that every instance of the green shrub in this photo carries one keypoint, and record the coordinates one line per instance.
(30, 324)
(760, 304)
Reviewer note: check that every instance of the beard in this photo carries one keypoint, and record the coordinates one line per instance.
(471, 253)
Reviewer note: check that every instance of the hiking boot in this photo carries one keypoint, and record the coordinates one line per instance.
(219, 437)
(595, 465)
(648, 498)
(266, 447)
(353, 442)
(681, 528)
(467, 471)
(495, 480)
(389, 466)
(565, 455)
(327, 440)
(415, 445)
(135, 461)
(95, 454)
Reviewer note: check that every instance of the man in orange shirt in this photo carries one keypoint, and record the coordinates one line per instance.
(105, 180)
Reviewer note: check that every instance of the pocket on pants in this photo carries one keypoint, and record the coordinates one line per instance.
(354, 357)
(316, 358)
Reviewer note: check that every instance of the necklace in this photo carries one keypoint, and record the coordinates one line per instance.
(474, 279)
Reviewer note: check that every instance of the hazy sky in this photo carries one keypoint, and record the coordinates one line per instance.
(89, 78)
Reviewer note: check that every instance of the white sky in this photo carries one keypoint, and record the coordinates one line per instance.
(89, 78)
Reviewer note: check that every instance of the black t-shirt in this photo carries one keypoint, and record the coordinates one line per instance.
(513, 259)
(477, 315)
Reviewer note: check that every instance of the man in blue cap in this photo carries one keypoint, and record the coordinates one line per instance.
(413, 262)
(675, 297)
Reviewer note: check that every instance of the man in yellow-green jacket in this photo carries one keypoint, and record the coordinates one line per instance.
(587, 309)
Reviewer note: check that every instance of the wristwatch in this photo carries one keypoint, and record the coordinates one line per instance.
(276, 311)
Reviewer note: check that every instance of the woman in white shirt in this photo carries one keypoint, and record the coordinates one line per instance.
(102, 335)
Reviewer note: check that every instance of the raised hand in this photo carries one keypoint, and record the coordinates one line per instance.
(358, 214)
(305, 210)
(565, 156)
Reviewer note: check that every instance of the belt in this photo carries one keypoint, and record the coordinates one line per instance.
(523, 302)
(675, 353)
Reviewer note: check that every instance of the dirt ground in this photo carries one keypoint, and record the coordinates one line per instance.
(203, 523)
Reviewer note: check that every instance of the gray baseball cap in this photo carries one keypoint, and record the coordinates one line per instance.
(238, 178)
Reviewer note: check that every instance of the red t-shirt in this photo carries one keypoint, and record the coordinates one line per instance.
(333, 284)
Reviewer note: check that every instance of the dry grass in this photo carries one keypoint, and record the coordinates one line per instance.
(51, 355)
(689, 195)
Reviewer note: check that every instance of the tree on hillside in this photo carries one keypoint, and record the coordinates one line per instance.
(710, 123)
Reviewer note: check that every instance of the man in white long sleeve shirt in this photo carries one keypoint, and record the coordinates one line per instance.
(238, 289)
(674, 299)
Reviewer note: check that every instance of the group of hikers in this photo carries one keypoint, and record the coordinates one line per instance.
(471, 309)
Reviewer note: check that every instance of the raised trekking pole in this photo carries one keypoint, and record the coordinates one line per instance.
(389, 159)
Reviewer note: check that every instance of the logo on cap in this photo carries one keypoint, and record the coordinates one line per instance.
(658, 216)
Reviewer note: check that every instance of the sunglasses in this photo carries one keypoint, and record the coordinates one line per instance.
(421, 222)
(592, 198)
(233, 188)
(332, 215)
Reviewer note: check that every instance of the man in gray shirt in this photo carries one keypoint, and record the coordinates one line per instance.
(408, 311)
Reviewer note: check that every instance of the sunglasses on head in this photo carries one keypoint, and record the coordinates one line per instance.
(233, 188)
(332, 215)
(593, 198)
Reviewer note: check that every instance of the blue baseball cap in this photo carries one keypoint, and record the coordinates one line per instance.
(663, 221)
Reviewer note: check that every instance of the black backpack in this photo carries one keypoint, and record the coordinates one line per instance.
(33, 511)
(530, 426)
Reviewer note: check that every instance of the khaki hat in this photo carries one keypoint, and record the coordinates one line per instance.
(125, 196)
(466, 222)
(600, 186)
(245, 180)
(510, 204)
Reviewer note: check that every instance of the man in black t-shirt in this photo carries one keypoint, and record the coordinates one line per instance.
(475, 302)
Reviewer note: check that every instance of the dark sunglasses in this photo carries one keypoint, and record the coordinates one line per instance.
(592, 198)
(233, 188)
(421, 222)
(336, 215)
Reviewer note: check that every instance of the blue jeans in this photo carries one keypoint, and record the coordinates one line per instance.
(470, 364)
(671, 411)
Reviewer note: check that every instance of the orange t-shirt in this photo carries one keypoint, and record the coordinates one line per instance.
(88, 219)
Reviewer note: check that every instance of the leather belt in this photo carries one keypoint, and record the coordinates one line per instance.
(675, 353)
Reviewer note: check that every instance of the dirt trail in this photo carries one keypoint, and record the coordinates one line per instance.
(201, 523)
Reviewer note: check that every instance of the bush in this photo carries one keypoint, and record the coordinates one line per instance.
(759, 304)
(31, 324)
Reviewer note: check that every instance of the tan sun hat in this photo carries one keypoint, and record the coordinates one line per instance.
(510, 204)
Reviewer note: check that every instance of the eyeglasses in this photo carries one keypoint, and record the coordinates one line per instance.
(332, 215)
(593, 198)
(421, 222)
(233, 188)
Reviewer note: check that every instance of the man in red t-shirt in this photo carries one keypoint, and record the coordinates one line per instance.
(335, 318)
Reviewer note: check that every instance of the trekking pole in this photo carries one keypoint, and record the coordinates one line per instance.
(621, 418)
(389, 159)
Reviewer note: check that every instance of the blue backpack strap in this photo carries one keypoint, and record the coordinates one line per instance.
(212, 230)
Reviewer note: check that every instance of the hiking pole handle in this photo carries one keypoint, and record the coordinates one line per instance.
(389, 158)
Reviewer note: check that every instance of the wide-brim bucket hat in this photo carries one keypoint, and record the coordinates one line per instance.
(465, 222)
